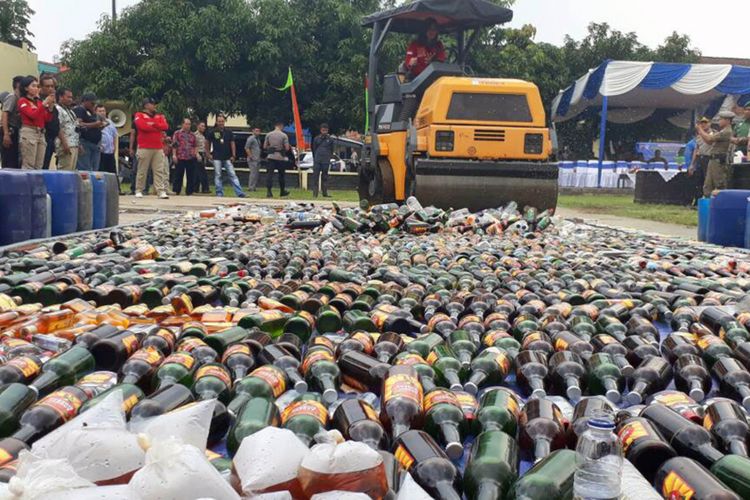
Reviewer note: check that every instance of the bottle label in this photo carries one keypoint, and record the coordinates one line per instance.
(673, 398)
(492, 337)
(309, 408)
(25, 365)
(130, 343)
(379, 318)
(431, 358)
(402, 386)
(630, 432)
(438, 318)
(236, 349)
(64, 403)
(180, 358)
(502, 360)
(322, 341)
(561, 344)
(190, 344)
(96, 383)
(168, 337)
(403, 457)
(606, 339)
(365, 340)
(269, 315)
(513, 406)
(216, 371)
(706, 341)
(439, 396)
(532, 337)
(469, 404)
(150, 355)
(370, 412)
(469, 318)
(314, 357)
(675, 487)
(307, 317)
(5, 457)
(273, 377)
(410, 359)
(129, 403)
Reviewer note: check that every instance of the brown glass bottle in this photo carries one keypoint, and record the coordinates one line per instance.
(362, 372)
(358, 421)
(428, 464)
(402, 400)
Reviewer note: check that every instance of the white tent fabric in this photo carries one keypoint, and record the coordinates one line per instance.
(626, 116)
(701, 78)
(621, 77)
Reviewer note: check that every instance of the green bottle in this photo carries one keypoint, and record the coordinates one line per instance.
(444, 419)
(492, 467)
(489, 368)
(425, 373)
(63, 369)
(212, 381)
(306, 416)
(265, 382)
(550, 479)
(358, 320)
(448, 369)
(257, 414)
(605, 377)
(177, 368)
(322, 373)
(498, 411)
(14, 399)
(301, 324)
(425, 344)
(270, 321)
(734, 471)
(464, 347)
(220, 341)
(328, 320)
(131, 396)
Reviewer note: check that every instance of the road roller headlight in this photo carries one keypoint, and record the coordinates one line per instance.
(533, 144)
(444, 140)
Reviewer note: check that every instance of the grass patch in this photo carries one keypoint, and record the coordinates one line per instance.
(624, 206)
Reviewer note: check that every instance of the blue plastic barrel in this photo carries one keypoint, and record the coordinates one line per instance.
(63, 189)
(15, 206)
(113, 199)
(704, 218)
(728, 217)
(38, 192)
(100, 199)
(85, 202)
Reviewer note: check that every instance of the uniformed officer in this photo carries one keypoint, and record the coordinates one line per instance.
(742, 130)
(717, 173)
(322, 149)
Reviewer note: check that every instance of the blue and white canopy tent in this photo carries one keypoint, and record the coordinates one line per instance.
(631, 91)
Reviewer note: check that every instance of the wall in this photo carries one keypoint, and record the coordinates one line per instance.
(15, 61)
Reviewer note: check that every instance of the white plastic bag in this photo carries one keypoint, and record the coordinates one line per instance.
(410, 490)
(177, 471)
(277, 495)
(189, 424)
(96, 443)
(37, 476)
(268, 461)
(118, 492)
(340, 495)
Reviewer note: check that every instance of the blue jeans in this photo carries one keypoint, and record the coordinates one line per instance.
(218, 183)
(90, 157)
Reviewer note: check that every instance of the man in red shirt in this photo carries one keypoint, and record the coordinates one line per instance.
(150, 127)
(35, 114)
(424, 50)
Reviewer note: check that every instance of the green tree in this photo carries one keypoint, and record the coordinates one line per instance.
(15, 16)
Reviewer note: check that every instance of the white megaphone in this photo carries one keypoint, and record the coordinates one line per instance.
(118, 118)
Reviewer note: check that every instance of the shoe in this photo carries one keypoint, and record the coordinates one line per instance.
(326, 195)
(163, 196)
(284, 193)
(207, 191)
(242, 195)
(139, 195)
(269, 195)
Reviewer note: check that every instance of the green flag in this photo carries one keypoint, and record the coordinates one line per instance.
(289, 81)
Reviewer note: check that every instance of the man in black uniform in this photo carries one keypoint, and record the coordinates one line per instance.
(322, 149)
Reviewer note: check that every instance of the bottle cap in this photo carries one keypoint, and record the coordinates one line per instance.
(456, 387)
(633, 398)
(471, 388)
(613, 396)
(539, 393)
(329, 396)
(300, 386)
(697, 394)
(746, 403)
(454, 450)
(574, 393)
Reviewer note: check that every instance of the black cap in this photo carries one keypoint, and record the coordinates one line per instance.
(88, 97)
(323, 125)
(149, 100)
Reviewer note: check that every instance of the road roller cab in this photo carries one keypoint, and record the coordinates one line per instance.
(452, 139)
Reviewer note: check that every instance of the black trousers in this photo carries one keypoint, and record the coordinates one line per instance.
(11, 157)
(320, 171)
(280, 167)
(48, 152)
(107, 164)
(699, 176)
(182, 168)
(201, 176)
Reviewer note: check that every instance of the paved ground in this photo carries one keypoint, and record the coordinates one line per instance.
(134, 210)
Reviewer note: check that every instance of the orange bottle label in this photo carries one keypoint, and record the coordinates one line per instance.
(5, 457)
(513, 406)
(402, 386)
(532, 337)
(216, 371)
(469, 318)
(181, 358)
(708, 422)
(190, 344)
(314, 357)
(410, 359)
(440, 396)
(469, 404)
(431, 358)
(403, 457)
(630, 432)
(365, 340)
(370, 412)
(64, 403)
(561, 345)
(236, 349)
(501, 359)
(129, 403)
(307, 317)
(273, 377)
(322, 341)
(25, 365)
(492, 337)
(150, 355)
(130, 343)
(309, 408)
(675, 487)
(606, 339)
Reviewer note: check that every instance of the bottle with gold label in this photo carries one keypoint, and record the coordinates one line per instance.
(425, 373)
(198, 349)
(63, 369)
(162, 401)
(162, 339)
(306, 417)
(502, 340)
(424, 344)
(541, 427)
(448, 370)
(239, 359)
(489, 368)
(257, 414)
(681, 477)
(111, 353)
(402, 399)
(388, 345)
(278, 356)
(357, 341)
(322, 373)
(212, 381)
(264, 382)
(301, 324)
(425, 460)
(220, 341)
(643, 445)
(131, 395)
(271, 321)
(444, 420)
(49, 413)
(21, 369)
(531, 372)
(358, 421)
(177, 368)
(499, 409)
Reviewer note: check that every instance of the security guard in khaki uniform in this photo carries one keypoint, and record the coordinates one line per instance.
(717, 173)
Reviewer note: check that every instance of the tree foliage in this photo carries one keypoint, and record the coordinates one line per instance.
(15, 16)
(231, 55)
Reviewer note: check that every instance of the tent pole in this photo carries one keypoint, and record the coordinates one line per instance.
(602, 140)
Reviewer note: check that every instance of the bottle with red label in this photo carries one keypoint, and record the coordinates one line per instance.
(503, 340)
(681, 477)
(264, 382)
(111, 353)
(305, 416)
(542, 428)
(362, 372)
(425, 460)
(643, 445)
(162, 401)
(281, 358)
(162, 339)
(444, 420)
(489, 368)
(567, 374)
(239, 359)
(402, 399)
(425, 373)
(63, 369)
(139, 369)
(178, 368)
(322, 373)
(531, 373)
(358, 421)
(652, 375)
(728, 424)
(49, 413)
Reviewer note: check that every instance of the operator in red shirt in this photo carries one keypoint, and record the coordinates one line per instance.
(35, 114)
(424, 50)
(150, 127)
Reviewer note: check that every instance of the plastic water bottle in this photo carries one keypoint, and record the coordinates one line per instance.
(598, 461)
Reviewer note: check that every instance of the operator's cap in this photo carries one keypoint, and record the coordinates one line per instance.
(727, 115)
(149, 100)
(704, 120)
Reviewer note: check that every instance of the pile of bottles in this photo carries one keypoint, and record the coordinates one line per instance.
(475, 359)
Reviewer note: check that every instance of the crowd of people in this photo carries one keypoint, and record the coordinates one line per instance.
(40, 120)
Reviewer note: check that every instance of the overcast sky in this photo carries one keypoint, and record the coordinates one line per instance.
(710, 29)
